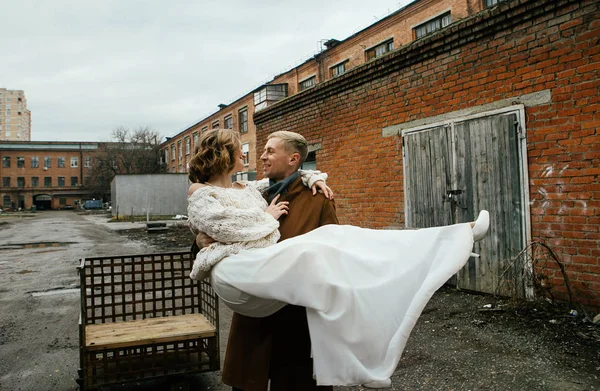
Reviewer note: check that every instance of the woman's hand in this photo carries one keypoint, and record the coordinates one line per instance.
(326, 190)
(276, 209)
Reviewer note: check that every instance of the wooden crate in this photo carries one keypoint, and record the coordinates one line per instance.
(142, 317)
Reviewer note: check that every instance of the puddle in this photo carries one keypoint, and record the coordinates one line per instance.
(14, 246)
(54, 291)
(25, 272)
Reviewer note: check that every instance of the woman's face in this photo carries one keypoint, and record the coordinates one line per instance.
(240, 157)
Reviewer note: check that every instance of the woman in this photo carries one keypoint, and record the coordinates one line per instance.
(363, 289)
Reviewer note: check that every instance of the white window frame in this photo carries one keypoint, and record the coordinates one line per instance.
(74, 162)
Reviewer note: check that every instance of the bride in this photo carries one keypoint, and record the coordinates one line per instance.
(363, 289)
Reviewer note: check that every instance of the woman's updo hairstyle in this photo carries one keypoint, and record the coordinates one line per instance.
(215, 154)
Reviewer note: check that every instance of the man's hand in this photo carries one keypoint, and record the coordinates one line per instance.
(322, 186)
(203, 240)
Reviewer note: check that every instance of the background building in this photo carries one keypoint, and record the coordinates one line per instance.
(15, 118)
(496, 111)
(49, 175)
(410, 23)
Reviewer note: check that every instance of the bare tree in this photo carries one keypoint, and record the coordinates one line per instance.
(131, 152)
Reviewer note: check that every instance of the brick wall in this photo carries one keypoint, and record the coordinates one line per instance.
(517, 48)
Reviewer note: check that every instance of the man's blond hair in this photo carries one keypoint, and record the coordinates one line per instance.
(292, 142)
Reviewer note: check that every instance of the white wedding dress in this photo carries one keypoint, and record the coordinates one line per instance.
(363, 289)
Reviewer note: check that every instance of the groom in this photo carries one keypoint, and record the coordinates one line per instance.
(278, 347)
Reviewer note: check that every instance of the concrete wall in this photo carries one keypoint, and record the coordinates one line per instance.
(161, 194)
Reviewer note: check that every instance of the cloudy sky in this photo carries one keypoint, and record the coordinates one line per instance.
(89, 66)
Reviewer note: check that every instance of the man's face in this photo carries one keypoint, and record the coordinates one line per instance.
(278, 163)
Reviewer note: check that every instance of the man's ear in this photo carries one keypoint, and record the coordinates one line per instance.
(295, 159)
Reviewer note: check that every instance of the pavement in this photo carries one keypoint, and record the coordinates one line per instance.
(455, 345)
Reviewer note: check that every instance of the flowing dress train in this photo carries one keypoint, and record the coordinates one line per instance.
(363, 290)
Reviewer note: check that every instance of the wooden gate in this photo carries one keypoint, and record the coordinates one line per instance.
(456, 169)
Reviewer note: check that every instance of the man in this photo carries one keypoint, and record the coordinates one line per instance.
(278, 347)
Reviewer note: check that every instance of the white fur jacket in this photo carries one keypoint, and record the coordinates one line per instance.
(235, 218)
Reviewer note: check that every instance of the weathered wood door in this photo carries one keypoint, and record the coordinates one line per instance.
(454, 171)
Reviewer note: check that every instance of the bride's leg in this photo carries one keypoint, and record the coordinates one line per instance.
(481, 225)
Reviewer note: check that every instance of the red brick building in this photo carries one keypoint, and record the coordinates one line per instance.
(49, 175)
(499, 110)
(409, 23)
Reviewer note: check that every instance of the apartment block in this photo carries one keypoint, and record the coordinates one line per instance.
(15, 118)
(49, 175)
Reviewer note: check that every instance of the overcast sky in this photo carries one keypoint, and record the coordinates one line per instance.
(89, 66)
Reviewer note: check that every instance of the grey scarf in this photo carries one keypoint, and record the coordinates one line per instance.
(279, 187)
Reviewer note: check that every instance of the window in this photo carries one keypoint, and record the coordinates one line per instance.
(311, 161)
(338, 69)
(62, 201)
(61, 181)
(20, 181)
(246, 149)
(74, 162)
(87, 180)
(6, 181)
(35, 181)
(228, 122)
(6, 201)
(166, 155)
(196, 136)
(243, 120)
(87, 162)
(20, 161)
(307, 83)
(179, 150)
(491, 3)
(7, 111)
(48, 181)
(215, 124)
(269, 94)
(47, 162)
(187, 145)
(60, 162)
(35, 162)
(74, 181)
(433, 25)
(380, 49)
(204, 129)
(173, 152)
(6, 161)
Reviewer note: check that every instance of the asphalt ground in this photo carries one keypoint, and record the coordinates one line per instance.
(457, 344)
